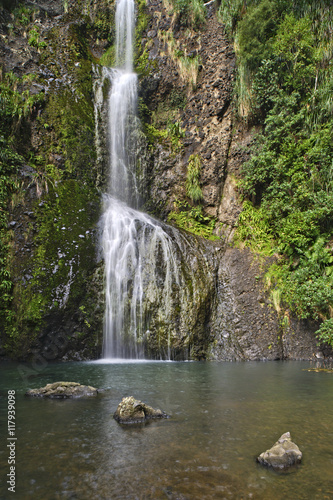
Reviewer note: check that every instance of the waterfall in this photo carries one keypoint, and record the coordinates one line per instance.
(138, 254)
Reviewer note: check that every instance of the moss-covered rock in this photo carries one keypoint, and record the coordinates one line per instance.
(54, 270)
(133, 411)
(55, 292)
(283, 454)
(63, 390)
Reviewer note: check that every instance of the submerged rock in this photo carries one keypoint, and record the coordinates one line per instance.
(133, 411)
(63, 390)
(283, 454)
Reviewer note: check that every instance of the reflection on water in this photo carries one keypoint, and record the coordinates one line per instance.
(222, 417)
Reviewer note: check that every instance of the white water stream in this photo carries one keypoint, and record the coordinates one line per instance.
(131, 240)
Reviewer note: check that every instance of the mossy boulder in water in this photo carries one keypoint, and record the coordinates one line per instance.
(133, 411)
(63, 390)
(283, 454)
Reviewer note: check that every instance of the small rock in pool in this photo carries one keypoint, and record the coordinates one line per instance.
(63, 390)
(133, 411)
(283, 454)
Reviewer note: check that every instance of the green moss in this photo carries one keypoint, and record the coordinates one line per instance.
(103, 25)
(56, 277)
(143, 65)
(61, 265)
(67, 123)
(141, 62)
(71, 120)
(17, 108)
(171, 136)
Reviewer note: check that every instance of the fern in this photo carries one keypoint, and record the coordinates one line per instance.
(193, 189)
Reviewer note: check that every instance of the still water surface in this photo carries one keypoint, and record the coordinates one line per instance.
(223, 415)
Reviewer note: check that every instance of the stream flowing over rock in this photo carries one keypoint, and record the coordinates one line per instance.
(196, 298)
(283, 454)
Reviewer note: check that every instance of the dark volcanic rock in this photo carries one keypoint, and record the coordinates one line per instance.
(283, 454)
(63, 390)
(133, 411)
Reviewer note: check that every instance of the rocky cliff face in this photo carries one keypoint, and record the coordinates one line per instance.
(200, 79)
(48, 49)
(186, 80)
(241, 322)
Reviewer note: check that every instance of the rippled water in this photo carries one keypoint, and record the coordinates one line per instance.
(223, 415)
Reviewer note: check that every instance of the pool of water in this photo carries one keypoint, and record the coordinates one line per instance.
(223, 415)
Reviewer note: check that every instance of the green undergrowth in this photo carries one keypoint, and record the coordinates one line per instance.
(190, 216)
(23, 15)
(193, 188)
(190, 13)
(170, 136)
(143, 65)
(253, 230)
(284, 84)
(192, 219)
(162, 124)
(34, 38)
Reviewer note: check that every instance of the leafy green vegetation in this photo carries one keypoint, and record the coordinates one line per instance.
(190, 12)
(285, 57)
(68, 120)
(23, 15)
(193, 220)
(171, 135)
(191, 216)
(34, 39)
(143, 65)
(193, 188)
(253, 229)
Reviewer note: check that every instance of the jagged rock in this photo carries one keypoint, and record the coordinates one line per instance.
(63, 390)
(133, 411)
(283, 454)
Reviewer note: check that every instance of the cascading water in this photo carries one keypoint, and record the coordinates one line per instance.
(133, 243)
